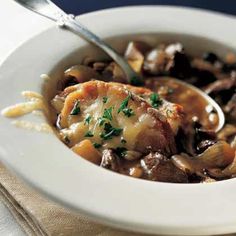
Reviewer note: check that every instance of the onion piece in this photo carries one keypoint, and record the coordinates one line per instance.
(183, 162)
(233, 143)
(230, 170)
(218, 155)
(81, 73)
(228, 131)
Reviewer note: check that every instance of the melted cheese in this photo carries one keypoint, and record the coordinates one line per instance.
(43, 127)
(77, 130)
(31, 95)
(146, 128)
(34, 105)
(21, 109)
(35, 102)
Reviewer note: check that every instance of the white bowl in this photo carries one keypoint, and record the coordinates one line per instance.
(107, 197)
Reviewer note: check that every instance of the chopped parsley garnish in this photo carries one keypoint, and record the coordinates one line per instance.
(155, 99)
(110, 131)
(97, 145)
(124, 107)
(76, 109)
(88, 134)
(104, 99)
(108, 113)
(124, 104)
(128, 112)
(101, 121)
(123, 140)
(87, 119)
(121, 151)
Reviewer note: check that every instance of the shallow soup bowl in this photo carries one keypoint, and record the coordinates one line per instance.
(43, 161)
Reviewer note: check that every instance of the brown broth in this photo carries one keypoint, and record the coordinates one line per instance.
(195, 106)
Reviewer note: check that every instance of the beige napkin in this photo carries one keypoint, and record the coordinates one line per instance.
(38, 216)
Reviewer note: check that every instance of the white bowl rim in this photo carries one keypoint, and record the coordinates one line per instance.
(141, 213)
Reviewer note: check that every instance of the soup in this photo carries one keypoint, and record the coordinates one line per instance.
(160, 130)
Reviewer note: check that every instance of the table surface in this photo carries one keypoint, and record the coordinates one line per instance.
(30, 24)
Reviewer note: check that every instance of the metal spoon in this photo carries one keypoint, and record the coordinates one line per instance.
(50, 10)
(215, 107)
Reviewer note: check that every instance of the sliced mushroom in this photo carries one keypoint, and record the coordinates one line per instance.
(156, 62)
(220, 85)
(79, 74)
(172, 49)
(218, 155)
(228, 132)
(204, 65)
(158, 168)
(230, 108)
(135, 53)
(136, 50)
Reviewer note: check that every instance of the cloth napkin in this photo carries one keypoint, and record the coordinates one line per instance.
(40, 217)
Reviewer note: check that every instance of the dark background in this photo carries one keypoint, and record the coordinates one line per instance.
(81, 6)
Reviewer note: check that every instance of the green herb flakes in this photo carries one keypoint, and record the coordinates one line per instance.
(124, 104)
(101, 121)
(88, 134)
(124, 107)
(155, 99)
(128, 112)
(87, 119)
(76, 109)
(97, 145)
(104, 99)
(110, 131)
(108, 113)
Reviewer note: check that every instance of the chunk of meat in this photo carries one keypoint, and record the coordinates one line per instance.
(111, 161)
(158, 168)
(123, 115)
(157, 62)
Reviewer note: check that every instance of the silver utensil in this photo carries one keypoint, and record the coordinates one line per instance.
(215, 107)
(50, 10)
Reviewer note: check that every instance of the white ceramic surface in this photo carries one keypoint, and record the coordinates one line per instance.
(43, 161)
(11, 37)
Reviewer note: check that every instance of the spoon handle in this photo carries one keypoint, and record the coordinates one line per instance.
(50, 10)
(68, 21)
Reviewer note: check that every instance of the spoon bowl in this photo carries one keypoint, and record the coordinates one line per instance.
(210, 106)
